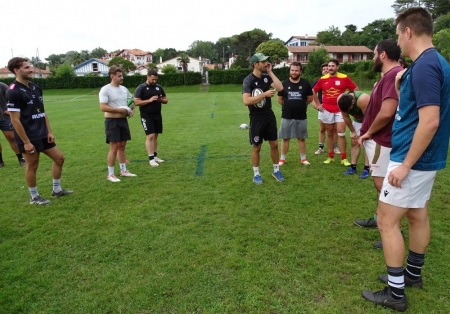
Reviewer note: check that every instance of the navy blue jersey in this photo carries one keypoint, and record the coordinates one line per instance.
(28, 101)
(425, 83)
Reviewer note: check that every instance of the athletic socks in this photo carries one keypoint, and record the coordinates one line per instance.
(396, 281)
(283, 157)
(56, 185)
(343, 156)
(151, 157)
(255, 171)
(353, 166)
(110, 170)
(302, 156)
(19, 157)
(276, 168)
(1, 157)
(123, 167)
(321, 145)
(156, 154)
(367, 168)
(33, 192)
(414, 264)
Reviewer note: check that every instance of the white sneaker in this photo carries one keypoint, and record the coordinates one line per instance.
(127, 173)
(281, 162)
(319, 151)
(112, 178)
(158, 160)
(305, 162)
(153, 163)
(336, 150)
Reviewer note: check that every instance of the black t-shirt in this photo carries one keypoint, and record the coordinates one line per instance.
(294, 99)
(28, 101)
(144, 92)
(252, 82)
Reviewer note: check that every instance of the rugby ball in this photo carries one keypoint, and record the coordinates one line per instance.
(243, 126)
(130, 103)
(256, 92)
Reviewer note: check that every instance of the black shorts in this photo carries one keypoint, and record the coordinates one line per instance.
(263, 129)
(151, 123)
(5, 124)
(40, 145)
(117, 130)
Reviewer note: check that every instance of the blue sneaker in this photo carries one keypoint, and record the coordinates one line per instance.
(350, 170)
(364, 174)
(278, 176)
(257, 179)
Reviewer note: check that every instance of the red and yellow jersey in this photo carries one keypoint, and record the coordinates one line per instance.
(332, 87)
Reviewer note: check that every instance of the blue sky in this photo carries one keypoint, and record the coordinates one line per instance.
(53, 27)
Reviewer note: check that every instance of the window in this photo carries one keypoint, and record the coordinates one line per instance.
(95, 67)
(356, 57)
(302, 58)
(303, 43)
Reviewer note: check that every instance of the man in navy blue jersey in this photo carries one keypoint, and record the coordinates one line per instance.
(32, 129)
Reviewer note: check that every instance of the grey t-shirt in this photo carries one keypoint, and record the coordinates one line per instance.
(3, 89)
(115, 97)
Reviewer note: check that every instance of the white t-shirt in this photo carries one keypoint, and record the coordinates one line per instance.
(115, 97)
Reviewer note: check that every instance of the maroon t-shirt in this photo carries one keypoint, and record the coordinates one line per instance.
(385, 88)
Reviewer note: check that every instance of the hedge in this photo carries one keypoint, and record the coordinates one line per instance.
(192, 78)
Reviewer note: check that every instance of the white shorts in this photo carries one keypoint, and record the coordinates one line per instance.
(378, 158)
(330, 117)
(415, 191)
(320, 115)
(357, 127)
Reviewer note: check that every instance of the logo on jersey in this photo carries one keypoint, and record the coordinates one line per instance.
(300, 87)
(30, 103)
(157, 88)
(144, 124)
(386, 192)
(38, 115)
(265, 80)
(147, 88)
(338, 83)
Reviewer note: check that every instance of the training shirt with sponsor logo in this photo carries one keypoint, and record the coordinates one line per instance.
(252, 82)
(294, 99)
(28, 101)
(332, 87)
(145, 92)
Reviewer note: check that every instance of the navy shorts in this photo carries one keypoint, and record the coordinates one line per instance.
(5, 124)
(40, 145)
(117, 130)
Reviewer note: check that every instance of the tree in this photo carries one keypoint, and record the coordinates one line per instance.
(184, 61)
(85, 55)
(124, 64)
(441, 40)
(442, 22)
(169, 69)
(315, 59)
(65, 71)
(223, 49)
(349, 36)
(166, 54)
(241, 61)
(204, 49)
(330, 37)
(152, 66)
(431, 5)
(247, 42)
(276, 50)
(376, 31)
(98, 53)
(55, 60)
(442, 8)
(37, 63)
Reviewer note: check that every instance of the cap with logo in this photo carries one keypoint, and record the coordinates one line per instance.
(258, 57)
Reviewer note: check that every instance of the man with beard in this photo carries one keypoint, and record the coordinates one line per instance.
(113, 102)
(32, 130)
(420, 139)
(256, 95)
(294, 98)
(7, 128)
(376, 130)
(332, 85)
(149, 96)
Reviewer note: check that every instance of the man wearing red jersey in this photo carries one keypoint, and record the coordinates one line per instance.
(332, 85)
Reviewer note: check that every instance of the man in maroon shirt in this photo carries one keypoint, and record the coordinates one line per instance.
(379, 117)
(332, 85)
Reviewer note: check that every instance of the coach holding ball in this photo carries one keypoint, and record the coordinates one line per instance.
(256, 94)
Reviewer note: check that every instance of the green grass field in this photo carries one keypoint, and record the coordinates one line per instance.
(196, 235)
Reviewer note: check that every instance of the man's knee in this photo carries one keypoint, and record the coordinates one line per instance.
(341, 134)
(273, 144)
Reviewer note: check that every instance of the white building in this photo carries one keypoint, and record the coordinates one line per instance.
(92, 66)
(194, 65)
(300, 41)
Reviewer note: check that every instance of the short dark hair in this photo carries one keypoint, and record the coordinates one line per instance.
(323, 65)
(152, 72)
(403, 62)
(296, 64)
(417, 19)
(114, 69)
(345, 102)
(390, 47)
(335, 61)
(16, 63)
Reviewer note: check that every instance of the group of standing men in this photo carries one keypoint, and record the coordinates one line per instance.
(404, 131)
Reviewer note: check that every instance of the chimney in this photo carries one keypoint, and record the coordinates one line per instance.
(306, 36)
(160, 59)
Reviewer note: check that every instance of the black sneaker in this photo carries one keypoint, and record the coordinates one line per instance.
(39, 200)
(2, 164)
(61, 193)
(409, 282)
(22, 162)
(366, 223)
(384, 298)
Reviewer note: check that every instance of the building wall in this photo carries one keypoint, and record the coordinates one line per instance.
(102, 69)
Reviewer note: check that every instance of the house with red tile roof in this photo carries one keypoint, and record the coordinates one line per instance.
(38, 73)
(341, 53)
